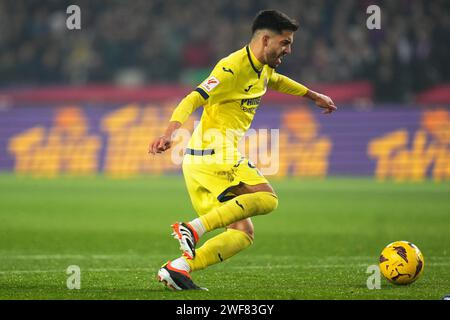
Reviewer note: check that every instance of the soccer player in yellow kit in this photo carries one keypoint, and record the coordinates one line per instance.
(225, 188)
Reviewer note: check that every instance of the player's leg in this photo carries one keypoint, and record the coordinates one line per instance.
(243, 188)
(175, 274)
(237, 237)
(245, 226)
(248, 195)
(253, 198)
(250, 200)
(247, 201)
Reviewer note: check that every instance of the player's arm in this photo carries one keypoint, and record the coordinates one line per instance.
(284, 84)
(214, 88)
(179, 116)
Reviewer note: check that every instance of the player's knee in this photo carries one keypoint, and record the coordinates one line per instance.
(250, 231)
(245, 226)
(251, 235)
(268, 202)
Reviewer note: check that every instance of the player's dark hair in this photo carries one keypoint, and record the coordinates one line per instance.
(273, 20)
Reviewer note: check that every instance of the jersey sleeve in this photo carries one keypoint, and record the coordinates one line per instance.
(188, 105)
(216, 87)
(284, 84)
(220, 82)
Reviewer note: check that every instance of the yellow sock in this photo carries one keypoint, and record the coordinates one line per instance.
(238, 208)
(219, 248)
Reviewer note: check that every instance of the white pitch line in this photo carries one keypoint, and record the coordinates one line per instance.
(242, 268)
(296, 266)
(83, 270)
(121, 256)
(42, 257)
(76, 256)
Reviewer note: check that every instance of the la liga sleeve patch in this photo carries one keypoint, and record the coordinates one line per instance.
(210, 83)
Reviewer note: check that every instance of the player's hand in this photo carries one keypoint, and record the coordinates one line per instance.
(326, 103)
(160, 145)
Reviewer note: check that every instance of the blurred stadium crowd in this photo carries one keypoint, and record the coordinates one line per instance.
(173, 41)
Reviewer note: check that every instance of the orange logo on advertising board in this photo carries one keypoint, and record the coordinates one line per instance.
(304, 151)
(428, 151)
(66, 147)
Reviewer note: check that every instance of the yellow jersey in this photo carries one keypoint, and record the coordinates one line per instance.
(231, 96)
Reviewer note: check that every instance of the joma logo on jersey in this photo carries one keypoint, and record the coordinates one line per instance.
(250, 105)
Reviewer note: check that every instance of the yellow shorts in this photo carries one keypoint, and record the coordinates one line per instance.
(208, 183)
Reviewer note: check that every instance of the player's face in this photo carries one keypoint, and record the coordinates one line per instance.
(277, 46)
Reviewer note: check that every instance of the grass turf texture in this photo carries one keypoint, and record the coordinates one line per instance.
(317, 245)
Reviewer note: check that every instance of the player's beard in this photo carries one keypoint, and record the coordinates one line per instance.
(274, 59)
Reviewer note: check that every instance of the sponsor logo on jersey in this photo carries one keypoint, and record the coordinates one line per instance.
(250, 105)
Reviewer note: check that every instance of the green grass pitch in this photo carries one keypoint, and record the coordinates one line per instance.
(317, 245)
